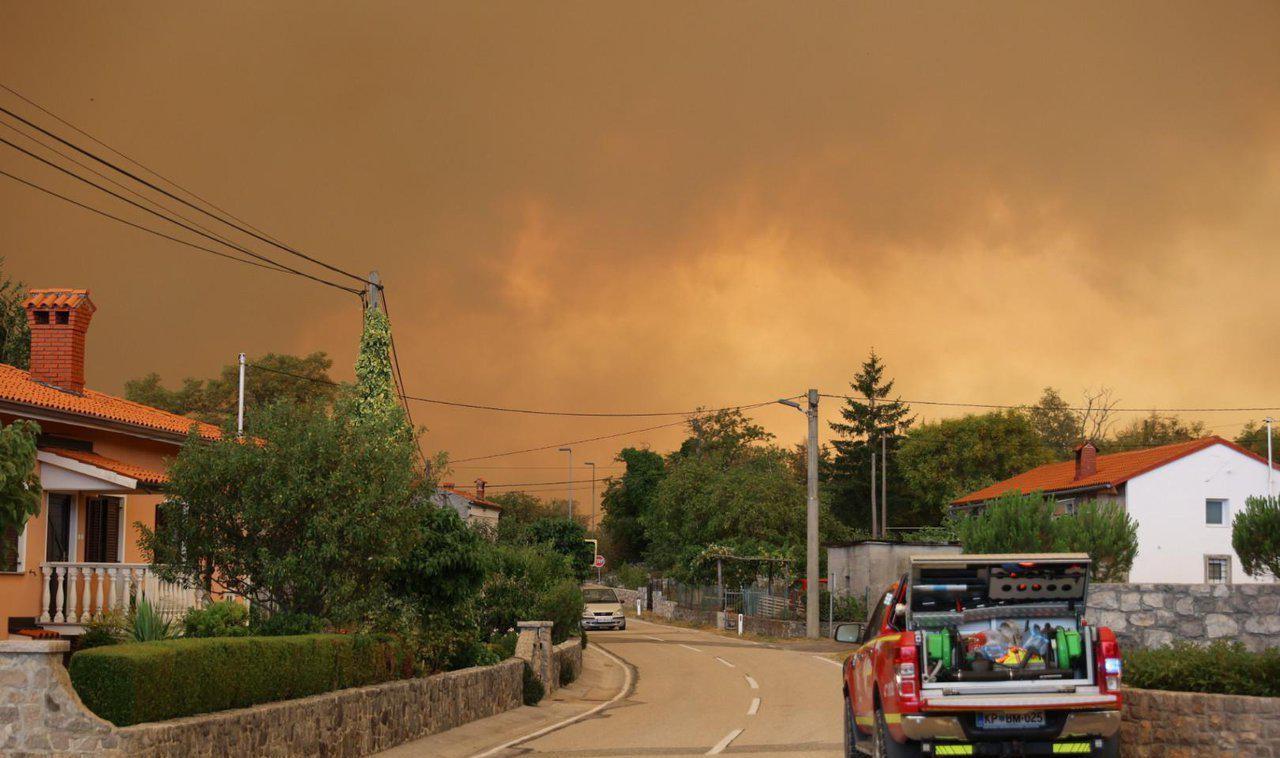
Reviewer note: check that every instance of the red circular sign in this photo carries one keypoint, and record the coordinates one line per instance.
(599, 561)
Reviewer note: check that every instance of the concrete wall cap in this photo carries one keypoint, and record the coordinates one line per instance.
(49, 647)
(534, 624)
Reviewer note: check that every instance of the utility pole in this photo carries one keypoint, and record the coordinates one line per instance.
(240, 403)
(884, 486)
(593, 494)
(812, 626)
(871, 441)
(569, 479)
(375, 291)
(875, 509)
(1269, 490)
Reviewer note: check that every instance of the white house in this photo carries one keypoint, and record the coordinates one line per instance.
(471, 508)
(1182, 496)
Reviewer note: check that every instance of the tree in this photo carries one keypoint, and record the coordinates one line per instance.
(19, 483)
(376, 396)
(1025, 523)
(1013, 523)
(865, 423)
(1152, 431)
(1255, 536)
(312, 516)
(1106, 532)
(273, 377)
(568, 538)
(1057, 424)
(446, 568)
(943, 460)
(627, 498)
(519, 509)
(1253, 437)
(15, 333)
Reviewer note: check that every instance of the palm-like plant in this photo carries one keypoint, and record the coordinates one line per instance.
(145, 625)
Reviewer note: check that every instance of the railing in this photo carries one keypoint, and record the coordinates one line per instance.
(77, 593)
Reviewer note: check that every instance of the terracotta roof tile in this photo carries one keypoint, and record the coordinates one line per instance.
(142, 474)
(1113, 469)
(472, 498)
(56, 298)
(17, 386)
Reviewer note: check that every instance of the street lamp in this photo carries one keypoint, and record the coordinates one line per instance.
(593, 494)
(812, 621)
(569, 482)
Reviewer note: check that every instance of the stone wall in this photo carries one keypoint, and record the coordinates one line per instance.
(41, 715)
(567, 653)
(1153, 615)
(1184, 724)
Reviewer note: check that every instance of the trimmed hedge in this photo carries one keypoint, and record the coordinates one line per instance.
(1222, 668)
(152, 681)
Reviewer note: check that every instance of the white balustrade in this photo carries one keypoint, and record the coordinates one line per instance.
(78, 593)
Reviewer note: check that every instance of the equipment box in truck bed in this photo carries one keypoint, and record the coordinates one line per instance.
(984, 655)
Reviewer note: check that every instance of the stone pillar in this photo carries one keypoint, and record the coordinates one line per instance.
(39, 712)
(534, 647)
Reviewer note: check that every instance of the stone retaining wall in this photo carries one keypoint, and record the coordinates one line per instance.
(567, 653)
(41, 715)
(1184, 724)
(1153, 615)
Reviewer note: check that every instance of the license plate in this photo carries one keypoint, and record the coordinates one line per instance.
(1011, 720)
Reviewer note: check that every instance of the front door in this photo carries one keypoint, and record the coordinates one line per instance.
(57, 542)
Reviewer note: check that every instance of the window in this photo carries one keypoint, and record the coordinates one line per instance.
(10, 546)
(1217, 569)
(1215, 512)
(1064, 507)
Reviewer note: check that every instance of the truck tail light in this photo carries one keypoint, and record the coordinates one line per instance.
(1109, 664)
(906, 675)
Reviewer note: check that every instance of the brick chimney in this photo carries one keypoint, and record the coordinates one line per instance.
(59, 319)
(480, 483)
(1086, 460)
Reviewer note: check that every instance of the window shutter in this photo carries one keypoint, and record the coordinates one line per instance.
(93, 531)
(112, 547)
(9, 549)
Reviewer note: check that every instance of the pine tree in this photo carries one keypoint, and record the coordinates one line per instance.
(868, 416)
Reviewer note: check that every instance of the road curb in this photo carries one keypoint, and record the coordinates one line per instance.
(628, 687)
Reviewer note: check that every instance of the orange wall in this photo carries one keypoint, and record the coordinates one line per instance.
(20, 594)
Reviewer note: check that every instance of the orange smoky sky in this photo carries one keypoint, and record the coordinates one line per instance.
(655, 206)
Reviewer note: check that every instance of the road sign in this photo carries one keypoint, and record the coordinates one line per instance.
(599, 561)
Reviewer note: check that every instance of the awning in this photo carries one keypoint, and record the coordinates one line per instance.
(63, 469)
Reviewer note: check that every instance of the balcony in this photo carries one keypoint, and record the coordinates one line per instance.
(77, 593)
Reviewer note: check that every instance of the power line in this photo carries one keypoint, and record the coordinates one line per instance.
(395, 363)
(126, 222)
(858, 398)
(124, 187)
(489, 485)
(242, 228)
(524, 468)
(682, 422)
(192, 229)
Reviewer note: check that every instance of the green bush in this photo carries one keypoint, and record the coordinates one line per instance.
(632, 576)
(145, 625)
(225, 618)
(134, 683)
(1013, 523)
(1255, 535)
(562, 604)
(533, 689)
(95, 638)
(286, 624)
(1221, 667)
(567, 674)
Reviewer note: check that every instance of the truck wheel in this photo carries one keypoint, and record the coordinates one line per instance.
(850, 731)
(883, 746)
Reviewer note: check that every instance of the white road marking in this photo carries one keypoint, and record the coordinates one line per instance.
(752, 682)
(724, 743)
(755, 706)
(655, 639)
(686, 647)
(730, 665)
(626, 688)
(828, 660)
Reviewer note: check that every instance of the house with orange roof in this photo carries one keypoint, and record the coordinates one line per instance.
(1182, 496)
(470, 506)
(102, 463)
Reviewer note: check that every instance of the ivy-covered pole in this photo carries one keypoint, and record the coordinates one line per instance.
(19, 483)
(376, 395)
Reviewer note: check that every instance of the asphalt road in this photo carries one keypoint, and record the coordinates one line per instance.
(697, 693)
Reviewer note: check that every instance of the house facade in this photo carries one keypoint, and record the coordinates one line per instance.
(1182, 497)
(470, 507)
(101, 462)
